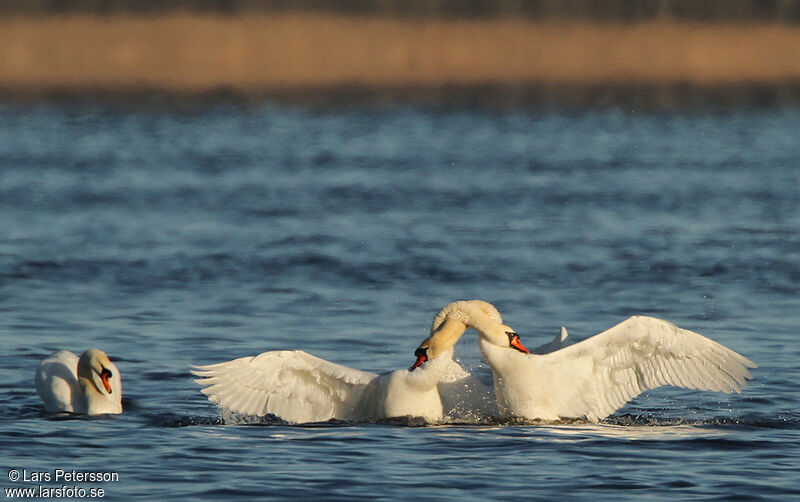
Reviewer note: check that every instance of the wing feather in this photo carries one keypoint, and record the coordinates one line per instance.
(638, 354)
(292, 385)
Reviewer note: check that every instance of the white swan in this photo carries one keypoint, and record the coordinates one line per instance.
(593, 378)
(90, 385)
(299, 387)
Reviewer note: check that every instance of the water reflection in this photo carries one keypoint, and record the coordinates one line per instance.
(644, 432)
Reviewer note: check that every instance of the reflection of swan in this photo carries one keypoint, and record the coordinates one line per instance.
(90, 385)
(578, 432)
(299, 387)
(597, 376)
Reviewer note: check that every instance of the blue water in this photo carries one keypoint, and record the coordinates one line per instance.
(178, 235)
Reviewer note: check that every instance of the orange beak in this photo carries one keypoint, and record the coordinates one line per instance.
(422, 356)
(517, 344)
(105, 375)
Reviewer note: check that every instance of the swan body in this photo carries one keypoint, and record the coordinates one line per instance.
(89, 385)
(593, 378)
(299, 387)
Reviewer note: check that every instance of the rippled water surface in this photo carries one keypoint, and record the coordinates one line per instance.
(176, 236)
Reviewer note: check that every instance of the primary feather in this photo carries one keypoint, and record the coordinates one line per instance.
(293, 385)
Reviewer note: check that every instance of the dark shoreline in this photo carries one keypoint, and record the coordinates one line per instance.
(627, 11)
(632, 98)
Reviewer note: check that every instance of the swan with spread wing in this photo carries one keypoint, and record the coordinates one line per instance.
(299, 387)
(595, 377)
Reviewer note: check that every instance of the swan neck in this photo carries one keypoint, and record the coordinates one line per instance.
(89, 392)
(476, 314)
(490, 352)
(478, 320)
(429, 374)
(95, 402)
(448, 334)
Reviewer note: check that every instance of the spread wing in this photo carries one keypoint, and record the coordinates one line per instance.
(597, 376)
(292, 385)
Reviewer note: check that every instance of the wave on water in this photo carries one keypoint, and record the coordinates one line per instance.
(787, 420)
(174, 420)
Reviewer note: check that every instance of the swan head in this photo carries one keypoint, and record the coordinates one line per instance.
(504, 336)
(95, 367)
(454, 318)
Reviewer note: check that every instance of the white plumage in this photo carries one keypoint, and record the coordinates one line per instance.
(293, 385)
(89, 385)
(590, 379)
(299, 387)
(597, 376)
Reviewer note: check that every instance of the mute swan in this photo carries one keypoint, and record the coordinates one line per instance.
(597, 376)
(90, 385)
(299, 387)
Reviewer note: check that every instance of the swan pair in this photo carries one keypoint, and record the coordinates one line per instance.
(589, 380)
(89, 385)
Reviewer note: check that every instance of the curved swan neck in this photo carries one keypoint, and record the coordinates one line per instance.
(89, 389)
(100, 384)
(94, 401)
(442, 339)
(447, 335)
(92, 366)
(477, 314)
